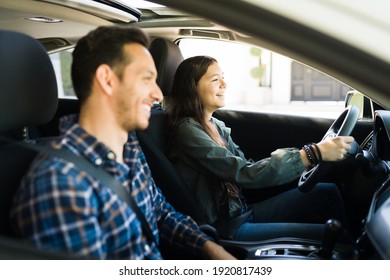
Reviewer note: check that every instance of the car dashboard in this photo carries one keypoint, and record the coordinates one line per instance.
(373, 241)
(377, 225)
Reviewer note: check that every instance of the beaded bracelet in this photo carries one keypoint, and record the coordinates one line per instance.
(313, 153)
(309, 154)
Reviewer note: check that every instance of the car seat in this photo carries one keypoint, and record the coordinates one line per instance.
(28, 87)
(28, 97)
(167, 56)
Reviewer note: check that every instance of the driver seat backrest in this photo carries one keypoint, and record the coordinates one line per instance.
(167, 57)
(28, 97)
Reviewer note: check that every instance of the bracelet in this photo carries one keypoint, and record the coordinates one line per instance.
(318, 152)
(313, 152)
(309, 155)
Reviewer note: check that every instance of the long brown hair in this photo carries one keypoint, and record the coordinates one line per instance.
(184, 100)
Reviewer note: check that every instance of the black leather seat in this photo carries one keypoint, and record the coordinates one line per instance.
(28, 87)
(167, 57)
(28, 97)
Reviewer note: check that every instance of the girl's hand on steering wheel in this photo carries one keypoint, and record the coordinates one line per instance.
(333, 149)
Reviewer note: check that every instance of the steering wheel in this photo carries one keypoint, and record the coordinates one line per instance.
(342, 126)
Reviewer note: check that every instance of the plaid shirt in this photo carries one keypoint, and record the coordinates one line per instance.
(61, 207)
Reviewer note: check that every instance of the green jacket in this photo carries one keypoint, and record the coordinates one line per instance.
(204, 166)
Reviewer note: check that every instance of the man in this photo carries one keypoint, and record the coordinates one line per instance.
(59, 206)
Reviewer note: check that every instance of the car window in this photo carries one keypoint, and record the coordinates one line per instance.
(263, 81)
(258, 80)
(62, 62)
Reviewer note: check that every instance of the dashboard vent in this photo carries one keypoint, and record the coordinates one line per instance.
(367, 143)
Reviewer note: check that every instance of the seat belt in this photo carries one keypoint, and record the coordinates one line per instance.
(103, 176)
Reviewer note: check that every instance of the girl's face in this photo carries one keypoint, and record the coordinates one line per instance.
(211, 89)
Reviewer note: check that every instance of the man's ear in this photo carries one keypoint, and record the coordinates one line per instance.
(105, 78)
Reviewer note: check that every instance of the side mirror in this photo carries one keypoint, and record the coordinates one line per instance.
(364, 104)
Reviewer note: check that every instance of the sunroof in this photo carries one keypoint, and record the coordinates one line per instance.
(140, 4)
(113, 10)
(126, 6)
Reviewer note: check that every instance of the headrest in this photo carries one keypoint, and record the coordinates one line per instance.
(28, 87)
(167, 57)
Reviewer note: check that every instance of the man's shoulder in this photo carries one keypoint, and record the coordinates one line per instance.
(51, 168)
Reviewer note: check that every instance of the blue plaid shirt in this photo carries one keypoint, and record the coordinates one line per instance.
(60, 207)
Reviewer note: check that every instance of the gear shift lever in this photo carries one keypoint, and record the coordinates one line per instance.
(333, 229)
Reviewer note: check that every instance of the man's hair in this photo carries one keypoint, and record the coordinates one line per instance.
(103, 45)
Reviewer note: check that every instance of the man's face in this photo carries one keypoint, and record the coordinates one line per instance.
(138, 90)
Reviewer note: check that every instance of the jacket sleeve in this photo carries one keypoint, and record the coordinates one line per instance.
(198, 150)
